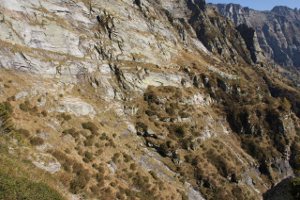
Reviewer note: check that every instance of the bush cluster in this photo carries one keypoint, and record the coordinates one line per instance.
(36, 141)
(91, 127)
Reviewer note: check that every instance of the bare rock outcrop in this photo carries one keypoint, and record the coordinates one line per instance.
(276, 31)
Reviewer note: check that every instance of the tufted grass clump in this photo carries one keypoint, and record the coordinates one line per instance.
(90, 126)
(36, 141)
(88, 157)
(178, 130)
(23, 132)
(65, 117)
(80, 181)
(6, 125)
(27, 107)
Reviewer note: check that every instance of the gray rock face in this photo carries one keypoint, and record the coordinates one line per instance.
(111, 31)
(218, 34)
(250, 37)
(76, 107)
(277, 31)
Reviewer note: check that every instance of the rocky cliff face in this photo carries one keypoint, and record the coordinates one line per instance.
(109, 99)
(277, 31)
(211, 29)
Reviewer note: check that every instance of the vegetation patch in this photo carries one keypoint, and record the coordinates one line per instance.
(15, 188)
(91, 127)
(27, 107)
(21, 180)
(6, 126)
(37, 141)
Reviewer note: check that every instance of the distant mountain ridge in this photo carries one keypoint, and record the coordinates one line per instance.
(277, 30)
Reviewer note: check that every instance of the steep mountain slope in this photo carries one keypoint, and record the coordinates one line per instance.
(277, 30)
(110, 99)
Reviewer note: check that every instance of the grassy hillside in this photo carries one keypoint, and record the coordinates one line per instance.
(19, 179)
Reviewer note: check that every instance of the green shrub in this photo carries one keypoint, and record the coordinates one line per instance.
(72, 132)
(183, 114)
(219, 162)
(44, 113)
(171, 111)
(153, 174)
(285, 105)
(133, 167)
(142, 184)
(179, 130)
(61, 157)
(150, 113)
(127, 157)
(111, 143)
(65, 117)
(97, 145)
(184, 196)
(77, 168)
(23, 132)
(116, 157)
(104, 136)
(101, 169)
(107, 193)
(80, 181)
(95, 189)
(88, 156)
(151, 97)
(25, 106)
(100, 177)
(141, 127)
(12, 98)
(113, 184)
(6, 124)
(89, 141)
(90, 126)
(36, 141)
